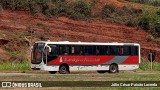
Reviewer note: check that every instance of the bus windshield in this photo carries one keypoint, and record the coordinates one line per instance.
(37, 53)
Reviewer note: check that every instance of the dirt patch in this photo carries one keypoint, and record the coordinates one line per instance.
(4, 55)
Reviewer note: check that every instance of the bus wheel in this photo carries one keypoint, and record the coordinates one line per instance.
(52, 72)
(101, 71)
(113, 68)
(64, 69)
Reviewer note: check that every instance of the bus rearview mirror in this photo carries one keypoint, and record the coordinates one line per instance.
(49, 48)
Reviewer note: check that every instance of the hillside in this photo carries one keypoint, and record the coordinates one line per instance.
(16, 27)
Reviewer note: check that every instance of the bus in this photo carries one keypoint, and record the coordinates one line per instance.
(65, 56)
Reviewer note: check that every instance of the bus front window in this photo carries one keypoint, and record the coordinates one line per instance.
(37, 53)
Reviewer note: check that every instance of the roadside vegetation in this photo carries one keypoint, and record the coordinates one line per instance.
(80, 9)
(146, 66)
(121, 15)
(15, 66)
(148, 2)
(16, 62)
(147, 18)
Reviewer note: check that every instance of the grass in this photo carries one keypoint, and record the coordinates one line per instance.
(15, 66)
(145, 66)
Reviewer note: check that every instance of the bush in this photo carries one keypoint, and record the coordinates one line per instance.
(121, 15)
(149, 21)
(144, 23)
(81, 10)
(107, 10)
(130, 24)
(157, 29)
(77, 10)
(15, 4)
(148, 2)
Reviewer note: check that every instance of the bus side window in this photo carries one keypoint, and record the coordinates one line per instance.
(64, 50)
(121, 50)
(61, 50)
(90, 50)
(79, 50)
(54, 50)
(114, 50)
(97, 50)
(134, 50)
(82, 50)
(93, 50)
(103, 50)
(127, 50)
(72, 50)
(86, 50)
(67, 50)
(107, 50)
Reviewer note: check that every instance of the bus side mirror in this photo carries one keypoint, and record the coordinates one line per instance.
(49, 49)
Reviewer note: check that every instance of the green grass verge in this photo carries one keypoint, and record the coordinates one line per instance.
(16, 66)
(147, 66)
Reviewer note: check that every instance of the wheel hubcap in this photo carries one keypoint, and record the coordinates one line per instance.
(63, 69)
(113, 68)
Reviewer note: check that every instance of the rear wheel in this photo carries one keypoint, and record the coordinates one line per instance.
(52, 72)
(101, 71)
(113, 68)
(63, 69)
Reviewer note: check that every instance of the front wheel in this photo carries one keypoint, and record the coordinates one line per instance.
(113, 68)
(64, 69)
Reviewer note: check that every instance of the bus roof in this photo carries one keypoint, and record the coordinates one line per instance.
(86, 43)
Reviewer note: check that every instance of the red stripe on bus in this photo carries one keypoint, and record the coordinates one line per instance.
(81, 60)
(131, 60)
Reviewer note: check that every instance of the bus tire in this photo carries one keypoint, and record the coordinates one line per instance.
(101, 71)
(113, 68)
(52, 72)
(64, 69)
